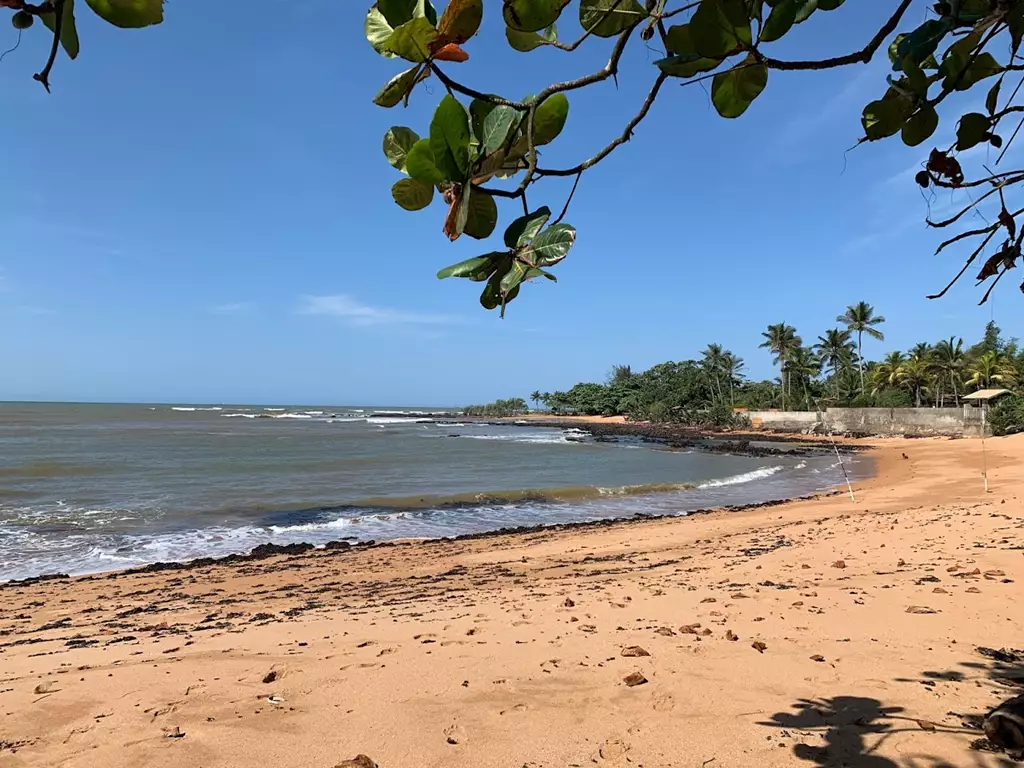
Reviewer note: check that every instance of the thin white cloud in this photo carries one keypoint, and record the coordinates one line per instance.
(356, 313)
(236, 308)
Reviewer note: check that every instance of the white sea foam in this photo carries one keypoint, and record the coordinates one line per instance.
(547, 437)
(237, 415)
(273, 409)
(386, 420)
(746, 477)
(181, 408)
(292, 416)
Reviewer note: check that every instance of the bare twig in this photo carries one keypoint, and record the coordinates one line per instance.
(44, 76)
(686, 7)
(12, 50)
(622, 139)
(587, 33)
(568, 200)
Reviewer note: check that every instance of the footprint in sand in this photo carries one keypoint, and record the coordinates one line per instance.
(613, 749)
(664, 702)
(455, 734)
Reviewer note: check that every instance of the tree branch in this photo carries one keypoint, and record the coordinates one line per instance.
(453, 85)
(622, 139)
(862, 56)
(587, 33)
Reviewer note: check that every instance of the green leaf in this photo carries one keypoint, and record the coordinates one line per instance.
(477, 269)
(488, 166)
(720, 28)
(397, 88)
(920, 126)
(411, 194)
(449, 139)
(129, 13)
(412, 40)
(398, 12)
(378, 31)
(829, 5)
(419, 164)
(525, 228)
(549, 119)
(780, 20)
(68, 30)
(528, 41)
(973, 129)
(915, 78)
(608, 18)
(804, 9)
(983, 66)
(992, 100)
(685, 61)
(513, 278)
(733, 91)
(533, 272)
(397, 143)
(551, 246)
(496, 126)
(491, 296)
(923, 41)
(1015, 22)
(460, 21)
(885, 116)
(482, 215)
(532, 15)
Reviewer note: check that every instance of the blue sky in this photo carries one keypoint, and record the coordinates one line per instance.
(201, 212)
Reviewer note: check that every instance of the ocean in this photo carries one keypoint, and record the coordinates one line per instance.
(95, 487)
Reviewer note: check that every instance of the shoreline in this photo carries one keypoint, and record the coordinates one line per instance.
(271, 549)
(511, 649)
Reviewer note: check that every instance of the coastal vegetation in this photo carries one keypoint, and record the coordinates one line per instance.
(833, 370)
(513, 406)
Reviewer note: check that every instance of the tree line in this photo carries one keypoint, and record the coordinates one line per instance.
(833, 370)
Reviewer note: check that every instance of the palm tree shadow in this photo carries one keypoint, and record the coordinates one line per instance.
(845, 722)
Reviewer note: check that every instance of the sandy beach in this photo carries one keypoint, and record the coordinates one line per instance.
(819, 632)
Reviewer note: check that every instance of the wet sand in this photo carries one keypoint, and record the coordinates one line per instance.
(819, 632)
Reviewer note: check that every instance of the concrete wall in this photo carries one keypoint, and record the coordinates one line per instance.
(783, 421)
(905, 421)
(917, 422)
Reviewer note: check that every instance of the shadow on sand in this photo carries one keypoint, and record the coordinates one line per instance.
(855, 728)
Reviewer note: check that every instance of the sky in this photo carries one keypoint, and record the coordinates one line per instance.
(201, 212)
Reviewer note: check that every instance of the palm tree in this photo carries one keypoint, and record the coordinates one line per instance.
(949, 362)
(915, 375)
(782, 340)
(711, 362)
(886, 373)
(732, 369)
(803, 364)
(535, 396)
(860, 318)
(991, 369)
(835, 349)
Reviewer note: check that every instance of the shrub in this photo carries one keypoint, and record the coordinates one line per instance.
(1007, 417)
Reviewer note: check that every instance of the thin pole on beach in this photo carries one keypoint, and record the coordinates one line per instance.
(849, 487)
(821, 418)
(984, 455)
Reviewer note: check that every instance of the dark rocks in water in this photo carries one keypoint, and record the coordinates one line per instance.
(269, 550)
(337, 545)
(34, 580)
